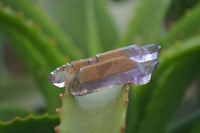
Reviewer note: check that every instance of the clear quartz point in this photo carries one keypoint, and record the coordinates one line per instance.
(142, 54)
(143, 60)
(57, 80)
(62, 76)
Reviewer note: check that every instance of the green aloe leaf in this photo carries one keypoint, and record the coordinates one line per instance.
(179, 51)
(3, 70)
(196, 128)
(187, 26)
(131, 116)
(86, 21)
(33, 13)
(186, 124)
(37, 66)
(37, 54)
(31, 124)
(108, 32)
(92, 34)
(147, 21)
(167, 95)
(8, 112)
(10, 19)
(100, 112)
(16, 90)
(143, 94)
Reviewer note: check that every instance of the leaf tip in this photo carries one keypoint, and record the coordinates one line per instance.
(20, 14)
(58, 110)
(61, 96)
(57, 129)
(123, 127)
(126, 101)
(127, 87)
(46, 114)
(16, 118)
(31, 115)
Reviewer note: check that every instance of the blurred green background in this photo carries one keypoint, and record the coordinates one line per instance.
(37, 36)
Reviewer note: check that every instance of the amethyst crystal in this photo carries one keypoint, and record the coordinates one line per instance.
(133, 64)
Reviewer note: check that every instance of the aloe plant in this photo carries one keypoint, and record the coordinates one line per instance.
(47, 34)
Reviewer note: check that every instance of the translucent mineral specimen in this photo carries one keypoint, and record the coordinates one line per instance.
(133, 64)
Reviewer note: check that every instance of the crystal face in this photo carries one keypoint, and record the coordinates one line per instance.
(133, 64)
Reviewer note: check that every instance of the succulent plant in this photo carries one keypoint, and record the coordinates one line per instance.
(85, 28)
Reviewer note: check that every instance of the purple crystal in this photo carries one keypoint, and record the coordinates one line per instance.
(142, 54)
(138, 76)
(145, 63)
